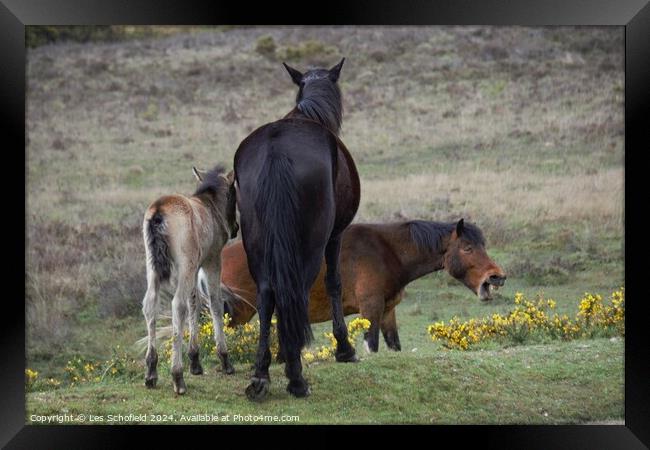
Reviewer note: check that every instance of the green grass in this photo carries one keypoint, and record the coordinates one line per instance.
(555, 382)
(518, 130)
(572, 382)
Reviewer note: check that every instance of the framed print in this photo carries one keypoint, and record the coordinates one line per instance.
(377, 215)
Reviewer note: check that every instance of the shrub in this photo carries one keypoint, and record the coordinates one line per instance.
(265, 46)
(531, 319)
(242, 341)
(326, 352)
(81, 370)
(41, 35)
(307, 50)
(30, 378)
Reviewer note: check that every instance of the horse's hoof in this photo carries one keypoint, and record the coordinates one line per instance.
(257, 390)
(180, 389)
(226, 367)
(347, 357)
(298, 388)
(195, 364)
(151, 382)
(196, 368)
(179, 384)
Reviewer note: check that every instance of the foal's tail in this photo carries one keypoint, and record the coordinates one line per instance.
(277, 207)
(155, 233)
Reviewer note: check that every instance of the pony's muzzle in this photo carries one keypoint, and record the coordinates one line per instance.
(490, 283)
(497, 280)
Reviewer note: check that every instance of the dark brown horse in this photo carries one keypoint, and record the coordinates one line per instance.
(377, 262)
(297, 190)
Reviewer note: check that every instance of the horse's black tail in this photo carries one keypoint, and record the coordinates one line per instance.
(158, 246)
(277, 207)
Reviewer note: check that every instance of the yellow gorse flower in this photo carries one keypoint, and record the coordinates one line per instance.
(326, 352)
(242, 340)
(528, 316)
(31, 375)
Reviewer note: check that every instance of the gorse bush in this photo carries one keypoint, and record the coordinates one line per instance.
(30, 378)
(80, 369)
(530, 320)
(41, 35)
(265, 46)
(242, 341)
(83, 370)
(327, 352)
(33, 383)
(242, 344)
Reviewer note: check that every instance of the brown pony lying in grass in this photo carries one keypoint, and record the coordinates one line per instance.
(377, 262)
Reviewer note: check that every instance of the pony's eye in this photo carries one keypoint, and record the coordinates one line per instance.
(468, 249)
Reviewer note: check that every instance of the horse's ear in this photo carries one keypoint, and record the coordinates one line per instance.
(336, 71)
(230, 177)
(197, 174)
(460, 227)
(296, 76)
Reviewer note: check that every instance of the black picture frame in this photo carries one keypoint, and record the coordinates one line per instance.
(633, 15)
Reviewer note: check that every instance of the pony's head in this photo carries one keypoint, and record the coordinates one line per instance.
(466, 260)
(309, 78)
(222, 186)
(319, 96)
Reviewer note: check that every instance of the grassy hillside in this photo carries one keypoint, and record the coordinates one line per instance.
(519, 130)
(540, 384)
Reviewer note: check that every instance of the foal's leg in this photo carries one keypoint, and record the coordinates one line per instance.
(149, 309)
(344, 351)
(212, 269)
(260, 381)
(186, 285)
(389, 330)
(195, 304)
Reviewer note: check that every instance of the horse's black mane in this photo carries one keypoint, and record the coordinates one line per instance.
(320, 100)
(212, 181)
(429, 235)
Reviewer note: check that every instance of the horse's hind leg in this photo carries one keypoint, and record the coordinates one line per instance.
(389, 330)
(279, 358)
(344, 351)
(212, 269)
(193, 350)
(186, 285)
(149, 309)
(260, 381)
(372, 309)
(297, 386)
